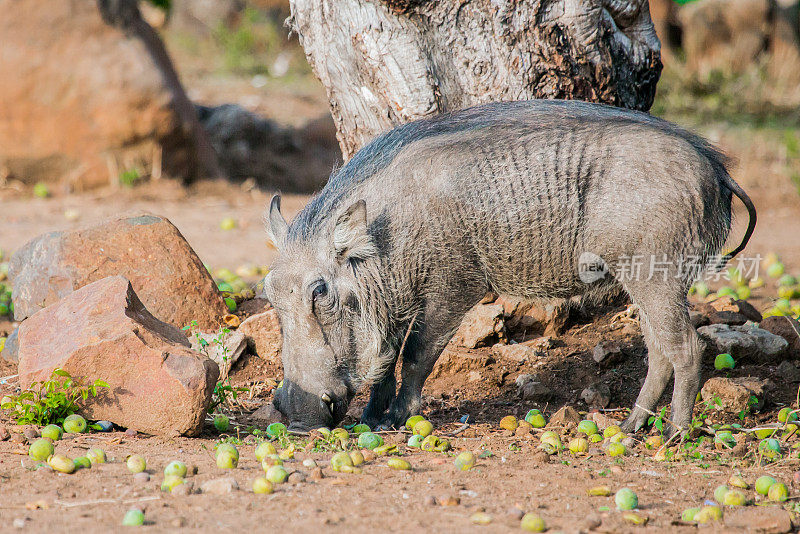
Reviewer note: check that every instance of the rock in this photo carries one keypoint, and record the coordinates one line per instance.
(528, 388)
(566, 417)
(102, 331)
(223, 349)
(603, 421)
(697, 318)
(761, 519)
(607, 353)
(92, 100)
(788, 372)
(263, 334)
(10, 351)
(459, 362)
(219, 486)
(543, 343)
(518, 352)
(296, 477)
(734, 393)
(316, 474)
(482, 326)
(141, 478)
(786, 327)
(4, 433)
(181, 490)
(148, 250)
(596, 395)
(474, 376)
(746, 343)
(30, 433)
(266, 415)
(742, 307)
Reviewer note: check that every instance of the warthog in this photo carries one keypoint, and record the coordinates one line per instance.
(541, 200)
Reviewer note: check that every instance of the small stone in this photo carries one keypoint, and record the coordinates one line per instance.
(184, 489)
(17, 438)
(607, 353)
(316, 474)
(19, 523)
(219, 486)
(474, 376)
(141, 478)
(430, 500)
(566, 417)
(131, 433)
(31, 433)
(263, 334)
(539, 457)
(4, 433)
(449, 500)
(514, 513)
(788, 371)
(734, 393)
(296, 477)
(528, 388)
(267, 414)
(483, 324)
(597, 395)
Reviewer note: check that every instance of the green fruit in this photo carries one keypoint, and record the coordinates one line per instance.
(264, 449)
(724, 361)
(424, 428)
(262, 486)
(61, 463)
(175, 468)
(787, 280)
(231, 304)
(578, 445)
(615, 449)
(96, 456)
(775, 270)
(770, 448)
(228, 447)
(369, 440)
(41, 449)
(725, 438)
(465, 461)
(74, 424)
(340, 433)
(738, 482)
(357, 457)
(276, 430)
(339, 460)
(221, 423)
(361, 428)
(596, 438)
(611, 431)
(588, 427)
(702, 290)
(133, 518)
(277, 474)
(743, 293)
(399, 464)
(415, 441)
(726, 292)
(626, 499)
(532, 523)
(413, 420)
(719, 493)
(763, 484)
(390, 448)
(708, 514)
(82, 462)
(778, 492)
(270, 460)
(41, 190)
(786, 415)
(689, 514)
(228, 223)
(54, 432)
(171, 482)
(536, 420)
(430, 443)
(734, 498)
(136, 463)
(226, 459)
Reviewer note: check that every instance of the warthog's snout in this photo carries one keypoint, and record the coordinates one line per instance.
(307, 411)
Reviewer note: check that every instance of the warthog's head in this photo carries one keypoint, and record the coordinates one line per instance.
(329, 336)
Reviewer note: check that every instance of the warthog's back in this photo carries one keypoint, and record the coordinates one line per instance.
(522, 189)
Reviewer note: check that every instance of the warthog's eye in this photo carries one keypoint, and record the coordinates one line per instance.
(319, 291)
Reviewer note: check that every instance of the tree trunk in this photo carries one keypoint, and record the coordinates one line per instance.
(125, 15)
(387, 62)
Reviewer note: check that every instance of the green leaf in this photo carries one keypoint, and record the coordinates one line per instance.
(61, 372)
(101, 384)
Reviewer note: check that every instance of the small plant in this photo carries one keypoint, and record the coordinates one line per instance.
(129, 177)
(658, 420)
(50, 401)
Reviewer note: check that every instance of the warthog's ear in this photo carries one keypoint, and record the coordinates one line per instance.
(350, 237)
(276, 227)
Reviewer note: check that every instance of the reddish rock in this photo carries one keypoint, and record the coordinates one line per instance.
(730, 304)
(607, 353)
(788, 329)
(148, 250)
(566, 417)
(483, 325)
(761, 519)
(267, 414)
(90, 101)
(733, 394)
(102, 331)
(263, 334)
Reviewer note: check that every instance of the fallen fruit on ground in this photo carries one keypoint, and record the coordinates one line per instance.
(74, 424)
(689, 514)
(578, 445)
(626, 499)
(599, 491)
(707, 514)
(82, 462)
(133, 518)
(636, 519)
(480, 518)
(778, 492)
(399, 463)
(61, 463)
(136, 463)
(357, 457)
(615, 449)
(415, 441)
(719, 493)
(227, 459)
(277, 474)
(54, 432)
(423, 428)
(509, 422)
(222, 423)
(276, 430)
(96, 456)
(611, 431)
(588, 427)
(735, 481)
(339, 460)
(262, 486)
(413, 420)
(734, 498)
(763, 484)
(531, 522)
(369, 440)
(465, 461)
(264, 449)
(176, 468)
(361, 428)
(41, 449)
(724, 361)
(171, 482)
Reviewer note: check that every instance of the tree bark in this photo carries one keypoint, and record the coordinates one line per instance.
(125, 15)
(387, 62)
